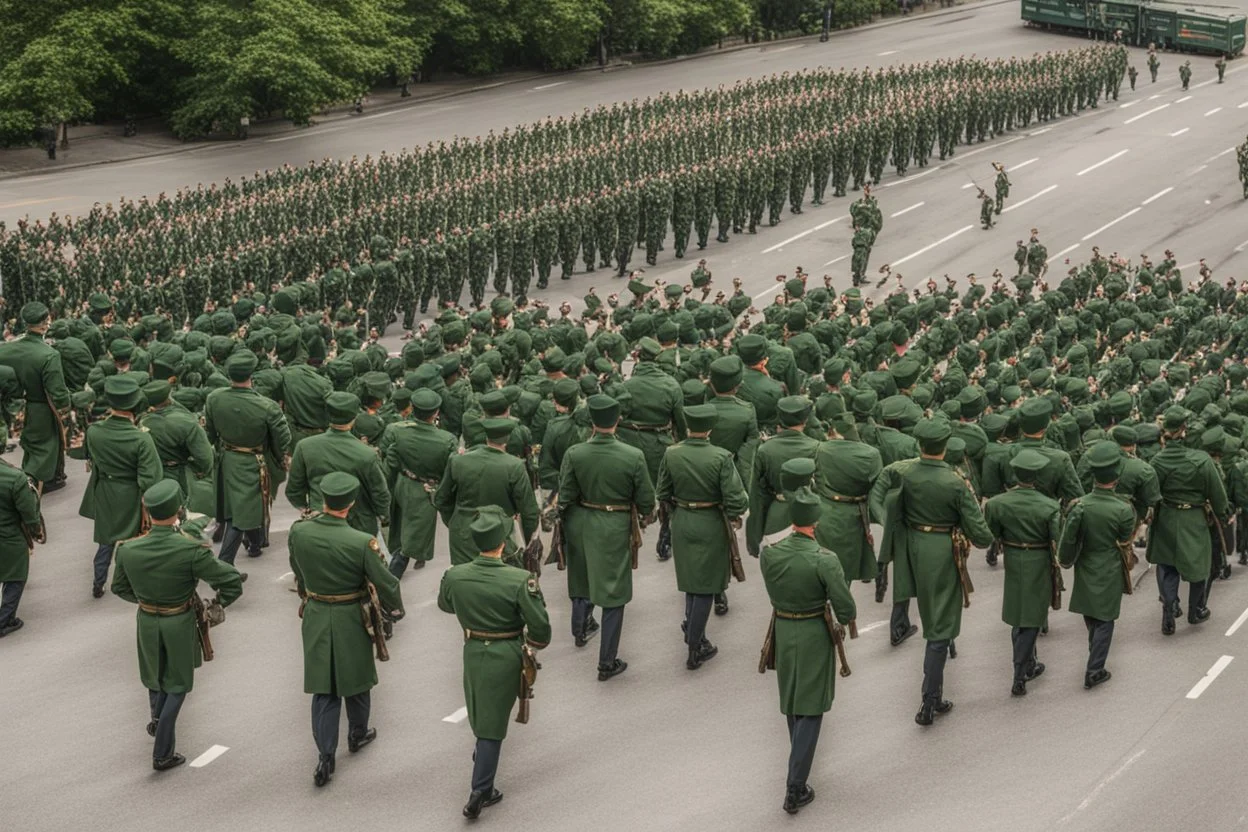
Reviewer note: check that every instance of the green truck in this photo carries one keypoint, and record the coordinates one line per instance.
(1207, 29)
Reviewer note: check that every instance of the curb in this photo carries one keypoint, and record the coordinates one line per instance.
(194, 146)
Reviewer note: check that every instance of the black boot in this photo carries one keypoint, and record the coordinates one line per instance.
(721, 604)
(796, 797)
(881, 585)
(1167, 620)
(172, 761)
(324, 770)
(701, 655)
(357, 741)
(897, 638)
(606, 671)
(479, 800)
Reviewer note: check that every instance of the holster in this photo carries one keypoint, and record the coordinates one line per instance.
(634, 532)
(734, 550)
(202, 625)
(558, 546)
(533, 555)
(528, 677)
(961, 552)
(1057, 585)
(1127, 551)
(864, 513)
(767, 657)
(837, 632)
(374, 622)
(1214, 523)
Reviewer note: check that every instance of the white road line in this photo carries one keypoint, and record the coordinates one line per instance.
(1220, 155)
(835, 260)
(457, 717)
(1181, 100)
(284, 576)
(968, 185)
(1020, 204)
(378, 115)
(1199, 169)
(785, 48)
(928, 248)
(208, 756)
(1242, 106)
(1157, 196)
(994, 147)
(889, 52)
(1128, 104)
(304, 133)
(871, 627)
(1243, 616)
(1112, 223)
(1087, 801)
(907, 210)
(1151, 97)
(1179, 132)
(1214, 673)
(1146, 113)
(1066, 250)
(1023, 164)
(803, 234)
(1038, 132)
(1102, 162)
(1214, 110)
(1241, 246)
(912, 178)
(550, 86)
(767, 292)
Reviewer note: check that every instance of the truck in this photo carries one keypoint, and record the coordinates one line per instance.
(1178, 27)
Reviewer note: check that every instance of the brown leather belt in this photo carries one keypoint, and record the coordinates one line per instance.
(165, 611)
(239, 449)
(841, 498)
(694, 506)
(480, 635)
(426, 480)
(337, 599)
(1012, 545)
(931, 529)
(648, 428)
(1183, 506)
(799, 616)
(173, 463)
(602, 507)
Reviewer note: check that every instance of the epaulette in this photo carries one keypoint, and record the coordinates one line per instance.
(534, 588)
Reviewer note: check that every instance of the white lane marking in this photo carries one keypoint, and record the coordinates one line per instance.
(767, 292)
(907, 210)
(284, 576)
(871, 627)
(1023, 164)
(803, 234)
(835, 260)
(1038, 132)
(551, 86)
(1199, 169)
(1112, 223)
(889, 52)
(303, 133)
(1146, 113)
(457, 717)
(1179, 132)
(208, 756)
(928, 248)
(1066, 250)
(1220, 155)
(912, 178)
(1214, 110)
(784, 48)
(1128, 104)
(1241, 246)
(1214, 673)
(1181, 100)
(968, 185)
(1157, 196)
(1087, 801)
(378, 115)
(1028, 199)
(1243, 616)
(1242, 106)
(994, 147)
(1151, 97)
(1117, 155)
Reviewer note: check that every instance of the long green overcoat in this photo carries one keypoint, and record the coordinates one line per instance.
(1024, 515)
(329, 557)
(1180, 537)
(736, 430)
(339, 450)
(769, 513)
(19, 506)
(845, 471)
(654, 400)
(124, 464)
(695, 471)
(38, 370)
(239, 417)
(415, 449)
(1094, 527)
(485, 476)
(181, 443)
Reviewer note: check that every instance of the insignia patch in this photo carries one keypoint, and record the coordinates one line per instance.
(145, 428)
(374, 545)
(534, 589)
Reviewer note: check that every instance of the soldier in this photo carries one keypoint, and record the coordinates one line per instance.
(416, 455)
(337, 449)
(496, 606)
(1153, 63)
(180, 440)
(1132, 74)
(1020, 257)
(736, 426)
(1096, 540)
(604, 494)
(1193, 505)
(1137, 480)
(703, 489)
(1220, 66)
(21, 527)
(252, 440)
(934, 515)
(160, 571)
(337, 570)
(124, 464)
(1028, 525)
(767, 512)
(863, 240)
(1037, 256)
(1002, 185)
(1241, 155)
(1185, 74)
(985, 210)
(844, 474)
(807, 589)
(38, 370)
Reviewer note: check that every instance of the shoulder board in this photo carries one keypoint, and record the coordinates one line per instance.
(374, 545)
(534, 588)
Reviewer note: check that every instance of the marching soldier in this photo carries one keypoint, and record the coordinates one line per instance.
(503, 616)
(160, 571)
(415, 460)
(124, 464)
(845, 472)
(180, 439)
(700, 483)
(1220, 66)
(1028, 525)
(1096, 540)
(807, 589)
(1193, 505)
(767, 512)
(252, 438)
(21, 527)
(934, 516)
(985, 209)
(1185, 74)
(338, 570)
(1002, 185)
(338, 449)
(38, 370)
(736, 427)
(1132, 74)
(605, 495)
(1153, 64)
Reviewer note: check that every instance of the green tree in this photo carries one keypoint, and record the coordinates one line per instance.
(561, 32)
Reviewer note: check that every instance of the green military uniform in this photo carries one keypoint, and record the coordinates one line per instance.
(20, 525)
(803, 579)
(501, 611)
(1137, 480)
(160, 571)
(181, 442)
(38, 370)
(736, 426)
(334, 565)
(566, 428)
(303, 398)
(768, 509)
(416, 456)
(844, 474)
(703, 490)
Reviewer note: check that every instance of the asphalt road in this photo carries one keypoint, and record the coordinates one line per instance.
(662, 748)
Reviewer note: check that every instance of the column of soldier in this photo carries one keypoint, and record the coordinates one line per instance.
(388, 236)
(1075, 411)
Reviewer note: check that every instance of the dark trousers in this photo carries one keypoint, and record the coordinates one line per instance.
(582, 610)
(485, 764)
(1168, 585)
(803, 737)
(612, 625)
(103, 558)
(697, 613)
(934, 658)
(899, 619)
(326, 709)
(9, 599)
(1100, 634)
(1024, 639)
(165, 708)
(233, 537)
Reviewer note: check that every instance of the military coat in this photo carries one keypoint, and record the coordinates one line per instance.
(845, 471)
(417, 454)
(1179, 535)
(484, 476)
(339, 450)
(124, 464)
(252, 438)
(19, 506)
(38, 370)
(1023, 515)
(1096, 526)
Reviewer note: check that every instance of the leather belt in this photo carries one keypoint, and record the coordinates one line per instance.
(306, 428)
(603, 507)
(799, 616)
(337, 599)
(480, 635)
(694, 506)
(1182, 506)
(426, 480)
(781, 498)
(173, 463)
(165, 611)
(648, 428)
(239, 449)
(931, 529)
(842, 498)
(1012, 545)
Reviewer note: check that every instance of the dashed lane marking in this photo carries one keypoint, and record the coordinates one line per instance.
(1214, 673)
(1158, 108)
(1181, 100)
(889, 52)
(1157, 196)
(931, 246)
(208, 756)
(1022, 164)
(23, 203)
(1243, 616)
(1220, 155)
(916, 176)
(906, 210)
(796, 237)
(1066, 250)
(1112, 223)
(457, 717)
(1092, 795)
(1091, 168)
(767, 292)
(870, 627)
(1214, 110)
(1020, 204)
(1128, 104)
(835, 260)
(550, 86)
(1179, 132)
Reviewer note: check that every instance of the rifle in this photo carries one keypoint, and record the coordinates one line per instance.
(528, 677)
(734, 549)
(203, 624)
(1056, 584)
(533, 556)
(837, 632)
(961, 553)
(374, 622)
(558, 546)
(767, 657)
(1127, 550)
(634, 533)
(881, 583)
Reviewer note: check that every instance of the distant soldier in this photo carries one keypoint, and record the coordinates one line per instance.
(160, 571)
(1220, 66)
(1002, 185)
(1185, 73)
(21, 527)
(503, 617)
(38, 370)
(985, 210)
(1241, 154)
(1132, 74)
(1020, 256)
(415, 459)
(1153, 64)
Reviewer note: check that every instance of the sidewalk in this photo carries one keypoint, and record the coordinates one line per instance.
(97, 144)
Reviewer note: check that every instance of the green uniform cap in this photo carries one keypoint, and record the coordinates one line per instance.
(905, 372)
(494, 403)
(498, 430)
(401, 399)
(488, 529)
(157, 392)
(122, 393)
(501, 307)
(701, 418)
(796, 472)
(1105, 458)
(894, 408)
(163, 500)
(726, 373)
(34, 313)
(1120, 404)
(604, 411)
(639, 287)
(240, 365)
(993, 424)
(1212, 440)
(1033, 414)
(338, 490)
(834, 370)
(1174, 418)
(752, 349)
(932, 435)
(1124, 435)
(342, 408)
(425, 402)
(553, 360)
(805, 507)
(376, 384)
(672, 291)
(566, 392)
(648, 349)
(955, 450)
(99, 302)
(864, 403)
(693, 392)
(1027, 464)
(794, 410)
